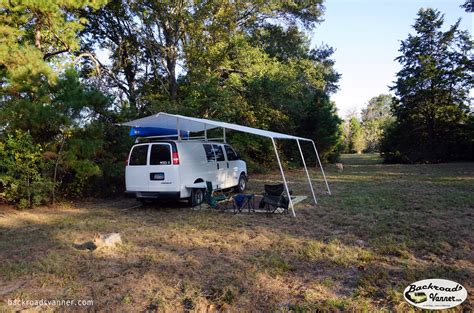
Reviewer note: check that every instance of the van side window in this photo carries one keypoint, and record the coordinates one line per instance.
(160, 155)
(219, 153)
(231, 155)
(139, 155)
(211, 157)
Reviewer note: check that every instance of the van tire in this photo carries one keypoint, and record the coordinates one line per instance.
(197, 197)
(241, 184)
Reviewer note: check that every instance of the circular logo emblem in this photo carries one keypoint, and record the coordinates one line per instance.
(435, 294)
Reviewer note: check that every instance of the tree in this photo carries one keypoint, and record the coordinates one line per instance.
(35, 33)
(21, 171)
(376, 118)
(433, 118)
(246, 62)
(243, 61)
(114, 28)
(267, 88)
(320, 122)
(73, 124)
(353, 137)
(152, 39)
(357, 141)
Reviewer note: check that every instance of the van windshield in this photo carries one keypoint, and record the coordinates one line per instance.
(139, 155)
(160, 155)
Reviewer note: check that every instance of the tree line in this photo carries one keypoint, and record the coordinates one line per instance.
(71, 70)
(430, 118)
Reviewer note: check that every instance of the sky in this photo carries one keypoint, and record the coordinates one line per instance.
(366, 35)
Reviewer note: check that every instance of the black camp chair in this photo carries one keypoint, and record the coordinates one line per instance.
(273, 199)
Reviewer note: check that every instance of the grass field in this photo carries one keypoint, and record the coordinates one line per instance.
(384, 227)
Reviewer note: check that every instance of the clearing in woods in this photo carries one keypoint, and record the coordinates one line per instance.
(384, 227)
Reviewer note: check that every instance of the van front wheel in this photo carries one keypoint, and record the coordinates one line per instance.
(197, 197)
(242, 184)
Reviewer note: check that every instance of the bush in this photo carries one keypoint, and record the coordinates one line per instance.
(21, 179)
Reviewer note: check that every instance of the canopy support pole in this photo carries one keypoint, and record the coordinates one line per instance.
(307, 174)
(284, 179)
(223, 133)
(321, 166)
(177, 128)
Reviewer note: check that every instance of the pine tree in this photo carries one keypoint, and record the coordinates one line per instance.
(34, 35)
(433, 119)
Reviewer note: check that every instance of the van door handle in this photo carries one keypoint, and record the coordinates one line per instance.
(217, 165)
(227, 164)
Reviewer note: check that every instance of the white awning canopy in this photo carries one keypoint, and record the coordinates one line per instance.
(191, 124)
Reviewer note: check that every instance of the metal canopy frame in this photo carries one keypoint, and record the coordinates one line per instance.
(209, 124)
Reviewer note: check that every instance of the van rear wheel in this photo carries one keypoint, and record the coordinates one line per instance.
(242, 184)
(197, 197)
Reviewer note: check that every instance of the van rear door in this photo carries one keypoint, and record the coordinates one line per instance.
(163, 168)
(136, 171)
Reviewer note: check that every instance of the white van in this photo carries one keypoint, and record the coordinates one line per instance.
(179, 169)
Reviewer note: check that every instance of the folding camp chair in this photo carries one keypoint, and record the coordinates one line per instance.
(273, 199)
(211, 198)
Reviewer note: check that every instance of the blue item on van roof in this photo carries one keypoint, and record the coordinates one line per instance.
(155, 131)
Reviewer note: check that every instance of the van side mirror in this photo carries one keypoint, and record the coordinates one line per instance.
(238, 155)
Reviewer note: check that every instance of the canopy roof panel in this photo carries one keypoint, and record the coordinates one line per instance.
(192, 124)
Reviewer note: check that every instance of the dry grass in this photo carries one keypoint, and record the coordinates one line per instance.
(384, 227)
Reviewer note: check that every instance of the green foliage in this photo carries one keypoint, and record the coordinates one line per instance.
(251, 87)
(376, 118)
(150, 38)
(245, 63)
(93, 160)
(35, 32)
(237, 66)
(353, 136)
(76, 149)
(37, 42)
(21, 179)
(357, 139)
(280, 43)
(77, 162)
(433, 118)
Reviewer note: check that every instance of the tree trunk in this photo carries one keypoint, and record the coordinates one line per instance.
(30, 204)
(171, 55)
(38, 37)
(130, 76)
(53, 200)
(173, 85)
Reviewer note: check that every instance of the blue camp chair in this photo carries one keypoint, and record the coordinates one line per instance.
(242, 201)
